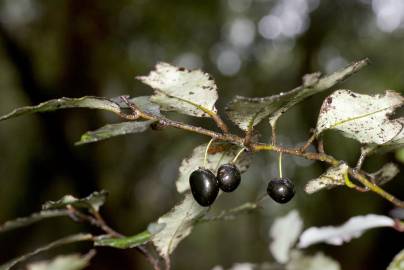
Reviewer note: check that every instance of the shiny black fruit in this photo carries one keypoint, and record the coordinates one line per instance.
(281, 190)
(228, 177)
(204, 186)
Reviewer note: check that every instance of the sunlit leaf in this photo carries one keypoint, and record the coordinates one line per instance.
(334, 176)
(26, 221)
(57, 243)
(364, 118)
(178, 89)
(318, 261)
(284, 233)
(247, 112)
(65, 103)
(94, 201)
(123, 242)
(113, 130)
(63, 262)
(337, 235)
(178, 224)
(220, 153)
(398, 262)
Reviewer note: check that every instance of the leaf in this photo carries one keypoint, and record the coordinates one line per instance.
(220, 153)
(318, 261)
(364, 118)
(26, 221)
(93, 202)
(57, 243)
(385, 174)
(353, 228)
(123, 242)
(231, 214)
(179, 223)
(333, 177)
(248, 112)
(398, 262)
(178, 89)
(63, 262)
(113, 130)
(284, 233)
(65, 103)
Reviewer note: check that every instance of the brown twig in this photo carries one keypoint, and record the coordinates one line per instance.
(256, 147)
(309, 142)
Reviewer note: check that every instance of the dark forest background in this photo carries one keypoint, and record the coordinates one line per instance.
(50, 49)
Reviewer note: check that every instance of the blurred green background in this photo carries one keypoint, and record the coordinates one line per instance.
(50, 49)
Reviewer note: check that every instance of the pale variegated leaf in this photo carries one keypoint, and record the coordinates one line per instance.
(93, 201)
(247, 112)
(284, 233)
(26, 221)
(113, 130)
(398, 262)
(385, 174)
(364, 118)
(338, 235)
(318, 261)
(334, 176)
(65, 103)
(64, 262)
(178, 89)
(220, 153)
(63, 241)
(178, 224)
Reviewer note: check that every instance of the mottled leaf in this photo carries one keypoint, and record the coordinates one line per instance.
(398, 262)
(113, 130)
(284, 233)
(318, 261)
(65, 103)
(247, 112)
(179, 223)
(63, 262)
(63, 241)
(364, 118)
(93, 202)
(220, 153)
(353, 228)
(26, 221)
(178, 89)
(334, 176)
(385, 174)
(123, 242)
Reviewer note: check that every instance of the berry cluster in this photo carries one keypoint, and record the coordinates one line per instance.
(205, 185)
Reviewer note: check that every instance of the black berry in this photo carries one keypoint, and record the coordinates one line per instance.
(228, 177)
(204, 186)
(281, 190)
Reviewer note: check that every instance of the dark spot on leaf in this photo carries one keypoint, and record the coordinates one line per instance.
(353, 95)
(191, 93)
(329, 100)
(181, 68)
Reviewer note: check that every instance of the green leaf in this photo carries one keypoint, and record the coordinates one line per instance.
(113, 130)
(124, 242)
(26, 221)
(398, 262)
(220, 153)
(93, 202)
(64, 262)
(248, 112)
(400, 155)
(57, 243)
(178, 89)
(65, 103)
(178, 224)
(364, 118)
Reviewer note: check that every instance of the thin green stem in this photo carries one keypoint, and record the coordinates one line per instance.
(238, 154)
(280, 165)
(206, 152)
